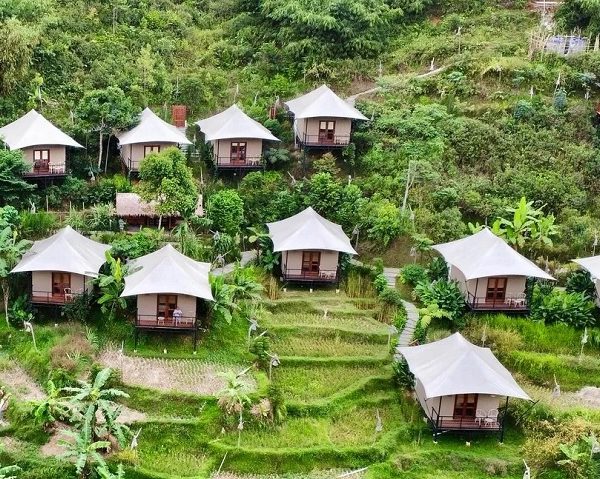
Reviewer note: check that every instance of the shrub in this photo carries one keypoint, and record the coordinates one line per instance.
(402, 375)
(259, 346)
(71, 352)
(38, 225)
(446, 294)
(412, 274)
(226, 211)
(391, 302)
(437, 269)
(581, 282)
(574, 309)
(380, 283)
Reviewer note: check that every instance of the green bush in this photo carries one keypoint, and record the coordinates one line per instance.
(380, 283)
(38, 225)
(437, 269)
(225, 209)
(581, 282)
(445, 294)
(402, 375)
(412, 274)
(574, 309)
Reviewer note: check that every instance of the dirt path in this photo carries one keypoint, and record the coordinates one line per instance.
(18, 382)
(183, 375)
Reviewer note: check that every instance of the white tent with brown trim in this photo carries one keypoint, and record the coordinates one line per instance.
(231, 124)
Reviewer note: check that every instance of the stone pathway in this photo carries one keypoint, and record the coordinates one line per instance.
(247, 256)
(412, 314)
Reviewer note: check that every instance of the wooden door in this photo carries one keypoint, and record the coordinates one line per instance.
(327, 131)
(60, 282)
(311, 262)
(41, 161)
(465, 406)
(166, 304)
(238, 152)
(496, 289)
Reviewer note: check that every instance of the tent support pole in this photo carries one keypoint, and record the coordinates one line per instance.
(437, 421)
(475, 296)
(503, 421)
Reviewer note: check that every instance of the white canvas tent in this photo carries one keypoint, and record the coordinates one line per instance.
(592, 265)
(308, 230)
(67, 251)
(484, 254)
(455, 366)
(231, 124)
(32, 129)
(152, 129)
(168, 271)
(322, 102)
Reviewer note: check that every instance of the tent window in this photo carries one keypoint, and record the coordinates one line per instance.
(151, 149)
(326, 131)
(311, 261)
(465, 405)
(41, 160)
(496, 289)
(60, 282)
(238, 151)
(167, 303)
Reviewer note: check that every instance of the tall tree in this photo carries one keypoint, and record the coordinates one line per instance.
(11, 251)
(13, 189)
(18, 41)
(105, 111)
(168, 182)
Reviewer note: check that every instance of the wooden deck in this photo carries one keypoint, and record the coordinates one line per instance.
(468, 424)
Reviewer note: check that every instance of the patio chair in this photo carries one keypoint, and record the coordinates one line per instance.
(68, 295)
(479, 416)
(491, 418)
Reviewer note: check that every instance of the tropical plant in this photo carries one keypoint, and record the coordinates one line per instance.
(412, 274)
(246, 284)
(11, 251)
(580, 281)
(223, 304)
(6, 472)
(91, 399)
(225, 208)
(575, 309)
(52, 408)
(402, 375)
(437, 269)
(13, 189)
(446, 295)
(111, 286)
(83, 450)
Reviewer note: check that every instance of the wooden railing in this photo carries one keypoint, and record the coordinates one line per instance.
(461, 423)
(247, 162)
(322, 140)
(323, 275)
(155, 321)
(48, 297)
(46, 169)
(516, 302)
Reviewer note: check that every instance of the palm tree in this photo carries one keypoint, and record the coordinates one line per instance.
(111, 286)
(11, 251)
(89, 398)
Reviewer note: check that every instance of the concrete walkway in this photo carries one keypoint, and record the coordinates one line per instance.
(412, 314)
(247, 256)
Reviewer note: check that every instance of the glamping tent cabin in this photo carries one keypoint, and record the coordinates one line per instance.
(592, 265)
(150, 135)
(236, 139)
(491, 275)
(136, 212)
(460, 385)
(167, 285)
(44, 146)
(310, 246)
(322, 119)
(62, 266)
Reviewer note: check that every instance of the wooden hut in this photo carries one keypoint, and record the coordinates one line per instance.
(62, 266)
(310, 246)
(237, 140)
(136, 212)
(150, 135)
(322, 119)
(491, 274)
(44, 146)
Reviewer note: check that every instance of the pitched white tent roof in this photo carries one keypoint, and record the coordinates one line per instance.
(33, 129)
(168, 271)
(67, 250)
(233, 123)
(308, 230)
(455, 366)
(150, 129)
(485, 254)
(591, 264)
(322, 102)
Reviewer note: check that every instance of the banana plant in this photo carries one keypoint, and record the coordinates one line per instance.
(111, 286)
